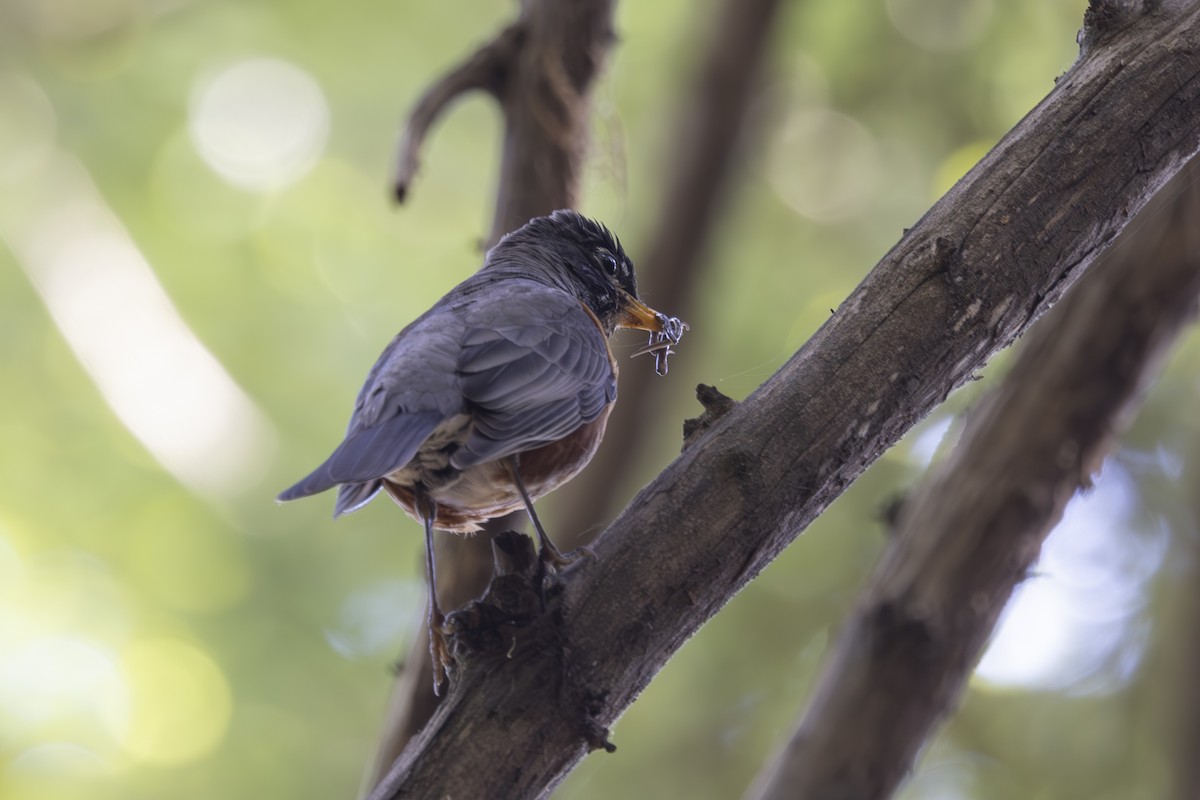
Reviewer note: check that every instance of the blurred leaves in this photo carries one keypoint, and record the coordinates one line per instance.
(158, 642)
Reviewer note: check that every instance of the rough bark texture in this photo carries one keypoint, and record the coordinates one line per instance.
(706, 150)
(972, 274)
(975, 528)
(540, 70)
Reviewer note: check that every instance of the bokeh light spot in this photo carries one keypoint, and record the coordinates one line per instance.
(1073, 625)
(260, 124)
(54, 770)
(57, 675)
(181, 702)
(54, 679)
(824, 164)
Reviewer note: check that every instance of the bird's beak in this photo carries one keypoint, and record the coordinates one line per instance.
(636, 314)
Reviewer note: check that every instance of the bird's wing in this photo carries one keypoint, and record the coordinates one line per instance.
(533, 367)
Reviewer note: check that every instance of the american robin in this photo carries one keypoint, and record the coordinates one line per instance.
(498, 394)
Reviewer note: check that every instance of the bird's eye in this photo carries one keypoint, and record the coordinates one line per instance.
(610, 264)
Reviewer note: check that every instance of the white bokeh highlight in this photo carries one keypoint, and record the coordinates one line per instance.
(54, 677)
(260, 124)
(1074, 624)
(824, 164)
(159, 379)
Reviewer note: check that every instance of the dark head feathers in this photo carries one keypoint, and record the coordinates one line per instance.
(568, 250)
(571, 226)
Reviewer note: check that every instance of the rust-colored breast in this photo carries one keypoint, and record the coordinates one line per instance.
(487, 491)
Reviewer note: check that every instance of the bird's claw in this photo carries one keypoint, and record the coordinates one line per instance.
(440, 655)
(553, 557)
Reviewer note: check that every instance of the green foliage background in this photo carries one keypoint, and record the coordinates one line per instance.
(161, 641)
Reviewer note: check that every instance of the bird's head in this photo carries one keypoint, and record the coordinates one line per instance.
(585, 258)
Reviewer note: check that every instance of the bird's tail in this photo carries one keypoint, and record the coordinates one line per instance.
(359, 463)
(353, 496)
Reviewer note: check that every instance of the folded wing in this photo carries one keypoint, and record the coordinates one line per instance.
(532, 374)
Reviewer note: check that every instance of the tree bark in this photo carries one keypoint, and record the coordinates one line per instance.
(975, 528)
(971, 275)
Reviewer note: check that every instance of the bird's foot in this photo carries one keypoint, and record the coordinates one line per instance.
(553, 557)
(552, 560)
(440, 654)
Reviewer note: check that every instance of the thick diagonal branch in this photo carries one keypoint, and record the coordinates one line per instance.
(975, 528)
(969, 277)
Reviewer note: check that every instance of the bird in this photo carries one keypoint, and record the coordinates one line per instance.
(497, 394)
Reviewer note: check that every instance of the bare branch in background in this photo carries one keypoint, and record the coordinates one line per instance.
(970, 276)
(485, 71)
(975, 528)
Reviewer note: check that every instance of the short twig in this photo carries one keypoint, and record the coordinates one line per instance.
(484, 70)
(716, 405)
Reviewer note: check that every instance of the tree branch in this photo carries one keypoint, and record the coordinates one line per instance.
(975, 529)
(970, 276)
(485, 70)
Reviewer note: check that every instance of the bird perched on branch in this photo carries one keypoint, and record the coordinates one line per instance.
(498, 394)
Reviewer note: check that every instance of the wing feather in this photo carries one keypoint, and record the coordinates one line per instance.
(532, 377)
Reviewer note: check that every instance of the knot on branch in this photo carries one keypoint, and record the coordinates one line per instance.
(597, 737)
(1106, 17)
(512, 600)
(716, 405)
(514, 622)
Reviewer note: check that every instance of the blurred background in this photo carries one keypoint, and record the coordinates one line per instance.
(199, 263)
